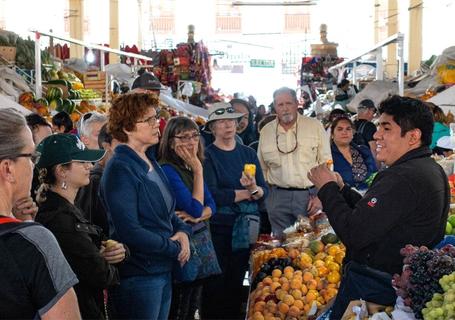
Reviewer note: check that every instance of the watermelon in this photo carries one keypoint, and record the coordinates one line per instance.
(43, 102)
(56, 104)
(54, 93)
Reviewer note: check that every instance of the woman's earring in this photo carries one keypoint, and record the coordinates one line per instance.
(64, 185)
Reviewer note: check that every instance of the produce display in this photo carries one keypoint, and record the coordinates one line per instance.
(295, 282)
(422, 270)
(25, 50)
(442, 306)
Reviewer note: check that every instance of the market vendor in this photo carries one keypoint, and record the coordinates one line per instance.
(407, 203)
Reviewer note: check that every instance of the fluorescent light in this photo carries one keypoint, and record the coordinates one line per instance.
(90, 57)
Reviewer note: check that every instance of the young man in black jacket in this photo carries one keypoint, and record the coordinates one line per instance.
(407, 203)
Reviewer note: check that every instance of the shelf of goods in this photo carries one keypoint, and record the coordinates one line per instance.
(298, 277)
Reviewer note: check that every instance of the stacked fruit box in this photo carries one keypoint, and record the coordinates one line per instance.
(95, 80)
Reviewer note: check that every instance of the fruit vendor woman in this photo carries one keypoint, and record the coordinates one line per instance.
(407, 204)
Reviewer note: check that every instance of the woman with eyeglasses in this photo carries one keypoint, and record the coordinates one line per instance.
(181, 155)
(36, 280)
(355, 163)
(236, 196)
(141, 208)
(64, 167)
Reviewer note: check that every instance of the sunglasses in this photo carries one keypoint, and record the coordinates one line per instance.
(87, 116)
(221, 111)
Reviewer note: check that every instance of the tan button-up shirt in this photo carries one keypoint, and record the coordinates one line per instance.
(290, 170)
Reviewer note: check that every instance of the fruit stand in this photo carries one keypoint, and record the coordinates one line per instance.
(297, 277)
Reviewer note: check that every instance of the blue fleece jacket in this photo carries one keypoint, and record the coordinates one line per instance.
(184, 197)
(138, 215)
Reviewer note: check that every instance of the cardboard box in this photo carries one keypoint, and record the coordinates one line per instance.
(371, 307)
(8, 53)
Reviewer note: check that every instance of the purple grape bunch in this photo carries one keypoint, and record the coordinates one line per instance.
(421, 273)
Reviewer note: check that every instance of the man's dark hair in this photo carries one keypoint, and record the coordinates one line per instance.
(104, 136)
(34, 120)
(63, 119)
(409, 114)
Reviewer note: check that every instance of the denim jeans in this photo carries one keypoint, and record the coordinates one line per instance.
(143, 297)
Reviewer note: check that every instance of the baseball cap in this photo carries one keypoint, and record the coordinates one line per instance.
(147, 81)
(64, 148)
(366, 104)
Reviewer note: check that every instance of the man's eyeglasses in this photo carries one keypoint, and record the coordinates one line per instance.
(34, 157)
(295, 139)
(188, 138)
(221, 111)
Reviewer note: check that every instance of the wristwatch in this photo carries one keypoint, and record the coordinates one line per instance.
(255, 192)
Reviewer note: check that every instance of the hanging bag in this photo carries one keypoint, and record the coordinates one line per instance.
(203, 262)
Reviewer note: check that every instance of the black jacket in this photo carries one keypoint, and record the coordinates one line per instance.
(89, 201)
(407, 203)
(80, 242)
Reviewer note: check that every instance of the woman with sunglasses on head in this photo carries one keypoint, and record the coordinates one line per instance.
(236, 195)
(181, 155)
(64, 167)
(141, 209)
(355, 163)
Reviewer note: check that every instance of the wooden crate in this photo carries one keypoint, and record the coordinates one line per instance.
(8, 53)
(91, 76)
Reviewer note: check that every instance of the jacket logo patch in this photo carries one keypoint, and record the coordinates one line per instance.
(372, 202)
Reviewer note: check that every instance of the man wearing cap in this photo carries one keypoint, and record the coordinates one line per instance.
(149, 82)
(288, 148)
(363, 125)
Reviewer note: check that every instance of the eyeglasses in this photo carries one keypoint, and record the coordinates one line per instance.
(34, 157)
(295, 139)
(194, 137)
(151, 120)
(221, 111)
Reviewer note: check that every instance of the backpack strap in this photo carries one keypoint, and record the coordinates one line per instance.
(8, 225)
(361, 127)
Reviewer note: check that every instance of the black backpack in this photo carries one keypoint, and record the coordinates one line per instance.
(358, 138)
(8, 225)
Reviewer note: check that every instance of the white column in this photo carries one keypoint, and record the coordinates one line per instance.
(114, 39)
(415, 35)
(392, 28)
(76, 27)
(38, 87)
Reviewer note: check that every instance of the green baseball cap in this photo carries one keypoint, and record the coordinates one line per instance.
(63, 148)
